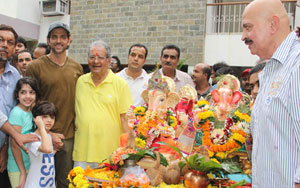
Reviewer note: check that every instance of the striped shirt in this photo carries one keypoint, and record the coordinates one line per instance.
(275, 120)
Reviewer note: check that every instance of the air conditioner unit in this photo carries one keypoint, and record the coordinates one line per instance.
(54, 7)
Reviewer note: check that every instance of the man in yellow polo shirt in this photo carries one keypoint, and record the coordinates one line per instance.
(101, 102)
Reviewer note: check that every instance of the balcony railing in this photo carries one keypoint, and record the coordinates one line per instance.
(227, 17)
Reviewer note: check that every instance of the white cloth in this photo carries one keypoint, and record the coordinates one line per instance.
(137, 86)
(42, 169)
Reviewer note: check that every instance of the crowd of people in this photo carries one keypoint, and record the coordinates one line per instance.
(64, 115)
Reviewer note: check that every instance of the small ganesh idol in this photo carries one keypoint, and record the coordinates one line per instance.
(156, 121)
(224, 125)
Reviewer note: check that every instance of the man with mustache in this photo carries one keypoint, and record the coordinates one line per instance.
(275, 119)
(136, 77)
(170, 55)
(200, 76)
(57, 74)
(24, 57)
(8, 79)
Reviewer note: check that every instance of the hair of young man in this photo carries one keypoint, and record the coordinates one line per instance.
(44, 45)
(31, 82)
(257, 68)
(25, 50)
(44, 108)
(21, 40)
(140, 46)
(169, 47)
(100, 43)
(219, 65)
(224, 70)
(207, 70)
(4, 27)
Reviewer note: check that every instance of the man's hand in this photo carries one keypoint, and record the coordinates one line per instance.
(297, 185)
(18, 137)
(25, 138)
(57, 140)
(3, 157)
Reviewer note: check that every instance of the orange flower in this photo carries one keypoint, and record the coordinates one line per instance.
(117, 183)
(104, 184)
(111, 184)
(136, 184)
(122, 184)
(95, 185)
(242, 133)
(145, 185)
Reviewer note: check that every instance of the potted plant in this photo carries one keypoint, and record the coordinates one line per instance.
(199, 167)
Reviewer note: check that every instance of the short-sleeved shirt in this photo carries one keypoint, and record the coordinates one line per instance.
(8, 83)
(98, 122)
(137, 86)
(57, 85)
(205, 93)
(42, 170)
(3, 119)
(181, 79)
(19, 117)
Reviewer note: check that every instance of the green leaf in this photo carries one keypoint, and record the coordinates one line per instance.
(163, 160)
(231, 167)
(181, 63)
(181, 165)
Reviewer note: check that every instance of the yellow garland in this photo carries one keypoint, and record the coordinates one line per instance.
(242, 116)
(174, 121)
(140, 142)
(202, 102)
(205, 114)
(238, 137)
(139, 110)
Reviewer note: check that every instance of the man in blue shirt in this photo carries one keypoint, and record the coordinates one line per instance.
(8, 79)
(275, 119)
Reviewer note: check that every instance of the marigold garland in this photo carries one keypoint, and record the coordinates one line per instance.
(148, 126)
(233, 143)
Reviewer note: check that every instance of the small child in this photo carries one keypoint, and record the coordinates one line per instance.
(42, 171)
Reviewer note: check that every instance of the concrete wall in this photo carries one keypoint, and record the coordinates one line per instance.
(26, 18)
(229, 48)
(154, 23)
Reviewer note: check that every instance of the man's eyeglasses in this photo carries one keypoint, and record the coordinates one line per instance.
(93, 57)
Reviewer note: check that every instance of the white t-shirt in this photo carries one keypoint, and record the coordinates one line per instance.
(42, 169)
(137, 86)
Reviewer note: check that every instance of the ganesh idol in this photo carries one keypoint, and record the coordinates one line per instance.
(157, 120)
(223, 125)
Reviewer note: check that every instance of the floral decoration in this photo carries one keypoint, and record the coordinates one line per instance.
(222, 141)
(149, 126)
(77, 180)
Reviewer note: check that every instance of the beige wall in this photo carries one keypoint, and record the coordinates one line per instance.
(153, 23)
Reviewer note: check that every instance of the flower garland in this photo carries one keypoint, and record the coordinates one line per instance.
(77, 180)
(148, 126)
(116, 156)
(221, 142)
